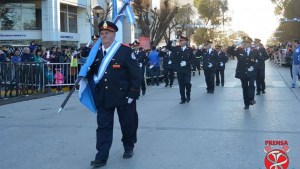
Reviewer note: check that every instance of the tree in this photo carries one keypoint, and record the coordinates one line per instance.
(289, 26)
(154, 22)
(7, 15)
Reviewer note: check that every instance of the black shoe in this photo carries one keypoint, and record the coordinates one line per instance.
(222, 85)
(211, 92)
(98, 163)
(166, 85)
(217, 84)
(128, 154)
(252, 102)
(143, 92)
(188, 100)
(246, 107)
(171, 85)
(182, 102)
(263, 92)
(257, 93)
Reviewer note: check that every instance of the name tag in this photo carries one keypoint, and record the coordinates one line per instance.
(116, 66)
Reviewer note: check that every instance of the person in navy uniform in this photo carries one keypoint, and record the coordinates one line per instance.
(168, 66)
(198, 60)
(245, 70)
(260, 67)
(118, 90)
(86, 50)
(142, 59)
(183, 59)
(223, 58)
(210, 60)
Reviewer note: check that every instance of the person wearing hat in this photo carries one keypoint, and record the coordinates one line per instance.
(168, 66)
(245, 70)
(260, 67)
(87, 48)
(295, 61)
(183, 60)
(210, 60)
(117, 89)
(142, 59)
(223, 58)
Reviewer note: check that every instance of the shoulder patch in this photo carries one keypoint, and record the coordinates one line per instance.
(133, 56)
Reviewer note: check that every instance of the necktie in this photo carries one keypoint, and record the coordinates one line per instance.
(104, 53)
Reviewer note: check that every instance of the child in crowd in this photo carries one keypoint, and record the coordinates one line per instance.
(49, 75)
(59, 79)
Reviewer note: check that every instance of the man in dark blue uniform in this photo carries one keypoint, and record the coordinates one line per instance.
(223, 58)
(260, 67)
(198, 60)
(142, 59)
(86, 50)
(168, 66)
(183, 59)
(210, 60)
(118, 90)
(245, 70)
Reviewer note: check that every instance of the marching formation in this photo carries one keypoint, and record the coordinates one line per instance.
(119, 77)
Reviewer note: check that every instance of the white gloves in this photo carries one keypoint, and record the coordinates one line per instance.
(88, 44)
(221, 64)
(210, 65)
(250, 69)
(129, 100)
(151, 66)
(48, 54)
(170, 62)
(140, 64)
(183, 63)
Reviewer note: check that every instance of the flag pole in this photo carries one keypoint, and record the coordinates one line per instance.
(80, 77)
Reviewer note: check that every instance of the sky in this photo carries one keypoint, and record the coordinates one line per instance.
(255, 17)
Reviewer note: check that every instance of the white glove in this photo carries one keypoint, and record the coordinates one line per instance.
(151, 66)
(210, 65)
(130, 100)
(250, 69)
(89, 43)
(221, 64)
(140, 64)
(170, 62)
(183, 63)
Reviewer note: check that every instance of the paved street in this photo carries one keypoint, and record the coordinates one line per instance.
(213, 131)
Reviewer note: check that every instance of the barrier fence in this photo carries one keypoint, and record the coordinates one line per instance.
(21, 79)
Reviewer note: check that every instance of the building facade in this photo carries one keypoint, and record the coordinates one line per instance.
(51, 22)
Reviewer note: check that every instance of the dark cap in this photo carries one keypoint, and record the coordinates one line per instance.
(135, 43)
(218, 46)
(247, 39)
(106, 25)
(182, 38)
(256, 40)
(94, 37)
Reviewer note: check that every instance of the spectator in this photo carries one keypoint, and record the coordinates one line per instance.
(16, 57)
(59, 79)
(154, 65)
(2, 56)
(26, 56)
(32, 46)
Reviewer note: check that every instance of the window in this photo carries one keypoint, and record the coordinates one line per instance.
(68, 18)
(20, 15)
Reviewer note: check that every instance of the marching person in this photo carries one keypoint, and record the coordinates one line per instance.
(168, 66)
(198, 59)
(223, 58)
(210, 60)
(245, 70)
(154, 66)
(260, 67)
(183, 58)
(142, 59)
(117, 78)
(86, 50)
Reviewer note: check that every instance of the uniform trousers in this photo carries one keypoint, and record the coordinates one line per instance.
(128, 119)
(184, 81)
(260, 80)
(218, 73)
(210, 79)
(143, 84)
(169, 76)
(248, 90)
(296, 72)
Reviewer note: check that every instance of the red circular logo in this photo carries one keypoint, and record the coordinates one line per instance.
(277, 159)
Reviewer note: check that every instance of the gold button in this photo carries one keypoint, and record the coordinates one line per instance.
(105, 72)
(105, 80)
(106, 87)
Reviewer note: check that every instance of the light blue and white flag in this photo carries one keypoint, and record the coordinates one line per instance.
(129, 13)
